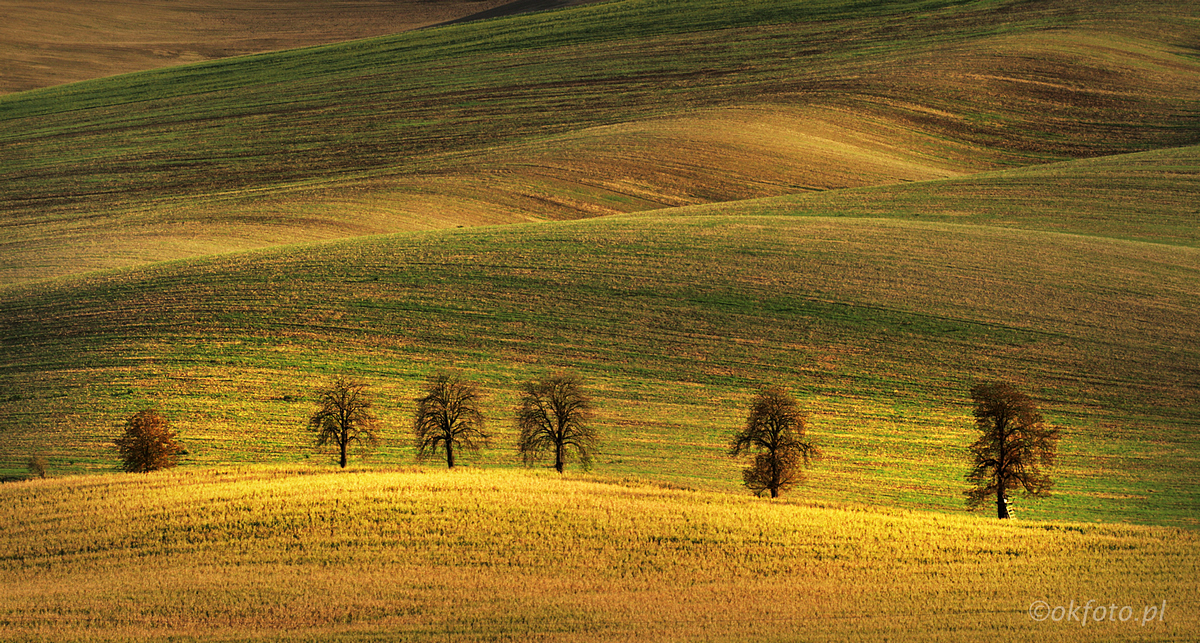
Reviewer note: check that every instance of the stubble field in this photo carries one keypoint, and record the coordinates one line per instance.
(302, 554)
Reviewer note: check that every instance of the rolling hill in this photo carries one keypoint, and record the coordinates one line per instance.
(876, 204)
(297, 554)
(625, 106)
(51, 43)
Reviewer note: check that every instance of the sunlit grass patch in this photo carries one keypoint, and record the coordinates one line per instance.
(879, 326)
(1148, 196)
(303, 553)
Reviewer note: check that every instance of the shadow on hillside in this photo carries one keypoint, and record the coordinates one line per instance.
(517, 7)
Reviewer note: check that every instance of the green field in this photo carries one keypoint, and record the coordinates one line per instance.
(876, 205)
(880, 326)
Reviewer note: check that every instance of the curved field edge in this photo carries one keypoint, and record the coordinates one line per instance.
(58, 42)
(608, 108)
(1149, 196)
(879, 326)
(303, 554)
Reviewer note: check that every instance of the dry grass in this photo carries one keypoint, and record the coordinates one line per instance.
(296, 554)
(51, 43)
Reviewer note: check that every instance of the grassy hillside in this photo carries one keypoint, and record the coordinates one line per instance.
(879, 325)
(298, 554)
(1149, 196)
(613, 107)
(874, 204)
(879, 305)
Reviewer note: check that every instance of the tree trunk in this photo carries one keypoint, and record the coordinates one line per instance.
(558, 458)
(449, 454)
(344, 453)
(774, 474)
(1001, 467)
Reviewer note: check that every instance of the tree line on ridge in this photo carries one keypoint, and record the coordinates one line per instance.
(554, 417)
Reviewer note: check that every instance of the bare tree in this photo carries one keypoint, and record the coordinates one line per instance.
(148, 443)
(344, 416)
(1014, 443)
(554, 416)
(448, 418)
(775, 432)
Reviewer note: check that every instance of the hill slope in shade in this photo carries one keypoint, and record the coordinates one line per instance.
(609, 108)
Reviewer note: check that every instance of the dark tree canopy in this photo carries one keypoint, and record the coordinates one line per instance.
(1013, 445)
(554, 418)
(344, 416)
(447, 418)
(148, 443)
(774, 432)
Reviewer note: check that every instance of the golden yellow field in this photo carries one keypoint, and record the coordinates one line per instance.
(252, 553)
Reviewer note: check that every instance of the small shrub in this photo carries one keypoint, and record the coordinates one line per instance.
(148, 443)
(37, 466)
